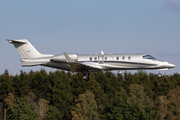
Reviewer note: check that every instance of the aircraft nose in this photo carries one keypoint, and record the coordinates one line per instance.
(169, 65)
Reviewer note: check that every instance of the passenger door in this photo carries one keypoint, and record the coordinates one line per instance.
(100, 59)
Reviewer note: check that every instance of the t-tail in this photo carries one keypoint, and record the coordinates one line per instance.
(29, 55)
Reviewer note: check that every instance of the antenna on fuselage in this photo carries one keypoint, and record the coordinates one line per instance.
(102, 52)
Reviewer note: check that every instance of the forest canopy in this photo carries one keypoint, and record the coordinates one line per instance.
(61, 95)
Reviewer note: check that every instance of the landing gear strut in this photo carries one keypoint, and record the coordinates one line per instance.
(86, 76)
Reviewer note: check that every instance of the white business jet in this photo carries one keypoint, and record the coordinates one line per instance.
(87, 63)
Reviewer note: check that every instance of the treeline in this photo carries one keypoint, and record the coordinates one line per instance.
(62, 95)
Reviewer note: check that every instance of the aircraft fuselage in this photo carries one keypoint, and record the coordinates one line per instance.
(105, 62)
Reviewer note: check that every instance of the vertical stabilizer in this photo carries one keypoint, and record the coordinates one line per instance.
(26, 50)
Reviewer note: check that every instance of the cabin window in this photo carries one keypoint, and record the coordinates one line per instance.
(95, 58)
(117, 58)
(123, 58)
(129, 58)
(90, 58)
(105, 58)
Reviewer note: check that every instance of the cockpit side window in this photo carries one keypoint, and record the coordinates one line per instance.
(148, 57)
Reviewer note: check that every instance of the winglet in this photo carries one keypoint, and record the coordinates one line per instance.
(68, 59)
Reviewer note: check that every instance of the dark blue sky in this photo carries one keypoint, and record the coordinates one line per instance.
(90, 26)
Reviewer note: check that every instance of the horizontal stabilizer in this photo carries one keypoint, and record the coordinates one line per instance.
(23, 64)
(17, 41)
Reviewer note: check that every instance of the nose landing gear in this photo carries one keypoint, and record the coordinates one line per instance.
(119, 71)
(159, 75)
(86, 76)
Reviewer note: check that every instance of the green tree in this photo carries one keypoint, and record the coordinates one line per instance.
(53, 113)
(131, 104)
(85, 107)
(101, 98)
(119, 109)
(1, 110)
(9, 100)
(161, 107)
(125, 96)
(141, 106)
(38, 83)
(21, 110)
(41, 109)
(173, 111)
(5, 88)
(57, 91)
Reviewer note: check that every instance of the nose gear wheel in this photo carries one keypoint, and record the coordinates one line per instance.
(159, 75)
(86, 76)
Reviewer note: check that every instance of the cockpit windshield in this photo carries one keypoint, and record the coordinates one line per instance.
(148, 57)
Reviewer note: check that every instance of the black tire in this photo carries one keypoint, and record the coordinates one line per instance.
(85, 77)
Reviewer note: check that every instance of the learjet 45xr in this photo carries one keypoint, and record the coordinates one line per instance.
(87, 63)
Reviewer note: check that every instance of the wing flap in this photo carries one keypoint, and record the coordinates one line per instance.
(78, 67)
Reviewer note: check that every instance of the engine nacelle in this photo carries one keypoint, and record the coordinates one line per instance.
(61, 58)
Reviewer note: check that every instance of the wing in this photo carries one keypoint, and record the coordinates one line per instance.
(76, 66)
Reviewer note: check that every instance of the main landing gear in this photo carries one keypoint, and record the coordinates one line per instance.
(85, 76)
